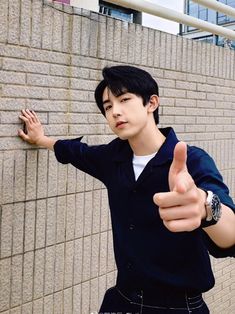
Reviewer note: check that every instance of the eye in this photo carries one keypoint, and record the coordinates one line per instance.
(125, 99)
(107, 107)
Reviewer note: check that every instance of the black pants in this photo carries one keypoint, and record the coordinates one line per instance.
(117, 301)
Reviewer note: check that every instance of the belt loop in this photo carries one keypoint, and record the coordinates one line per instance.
(187, 304)
(142, 302)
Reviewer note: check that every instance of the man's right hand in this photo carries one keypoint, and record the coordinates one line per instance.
(34, 133)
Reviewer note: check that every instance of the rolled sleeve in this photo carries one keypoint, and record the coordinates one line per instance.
(90, 159)
(207, 177)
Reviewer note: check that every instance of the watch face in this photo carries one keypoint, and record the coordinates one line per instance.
(216, 207)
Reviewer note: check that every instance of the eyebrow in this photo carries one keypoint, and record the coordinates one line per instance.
(120, 94)
(106, 101)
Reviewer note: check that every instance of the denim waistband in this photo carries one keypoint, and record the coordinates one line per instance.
(180, 300)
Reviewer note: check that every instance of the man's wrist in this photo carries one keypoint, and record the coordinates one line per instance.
(203, 207)
(46, 142)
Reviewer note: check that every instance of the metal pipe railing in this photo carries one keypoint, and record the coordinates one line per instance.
(157, 10)
(217, 6)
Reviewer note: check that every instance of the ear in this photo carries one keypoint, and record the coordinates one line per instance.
(153, 103)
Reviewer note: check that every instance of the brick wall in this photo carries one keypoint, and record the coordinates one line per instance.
(56, 242)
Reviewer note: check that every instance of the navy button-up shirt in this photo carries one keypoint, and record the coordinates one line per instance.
(147, 254)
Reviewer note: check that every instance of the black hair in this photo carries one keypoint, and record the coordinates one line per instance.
(124, 78)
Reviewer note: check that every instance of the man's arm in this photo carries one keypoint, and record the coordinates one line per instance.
(34, 131)
(223, 232)
(183, 208)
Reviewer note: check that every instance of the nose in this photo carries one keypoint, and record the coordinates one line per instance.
(116, 111)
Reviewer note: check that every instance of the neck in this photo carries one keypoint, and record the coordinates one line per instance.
(147, 143)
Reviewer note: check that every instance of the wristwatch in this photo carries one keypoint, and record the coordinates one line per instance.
(213, 210)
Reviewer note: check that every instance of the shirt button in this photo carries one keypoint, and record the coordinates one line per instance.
(129, 265)
(131, 227)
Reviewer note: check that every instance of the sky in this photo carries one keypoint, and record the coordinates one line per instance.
(163, 24)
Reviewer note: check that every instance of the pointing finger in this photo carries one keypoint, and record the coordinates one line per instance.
(180, 158)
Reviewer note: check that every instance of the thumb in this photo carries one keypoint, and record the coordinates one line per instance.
(24, 136)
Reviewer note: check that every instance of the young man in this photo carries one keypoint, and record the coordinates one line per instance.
(168, 203)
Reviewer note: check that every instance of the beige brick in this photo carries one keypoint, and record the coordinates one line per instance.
(25, 24)
(59, 267)
(70, 217)
(39, 273)
(8, 77)
(95, 255)
(124, 42)
(52, 175)
(109, 38)
(196, 95)
(13, 26)
(77, 304)
(5, 282)
(58, 21)
(36, 34)
(16, 282)
(69, 264)
(184, 120)
(94, 300)
(85, 297)
(110, 260)
(205, 104)
(88, 213)
(179, 44)
(102, 287)
(3, 21)
(169, 51)
(25, 66)
(186, 85)
(42, 162)
(49, 270)
(68, 301)
(15, 310)
(8, 177)
(18, 228)
(96, 198)
(48, 304)
(29, 228)
(27, 285)
(60, 219)
(94, 34)
(51, 221)
(58, 303)
(144, 46)
(6, 230)
(20, 176)
(78, 261)
(24, 91)
(40, 224)
(86, 265)
(176, 93)
(103, 253)
(27, 308)
(173, 52)
(31, 174)
(174, 111)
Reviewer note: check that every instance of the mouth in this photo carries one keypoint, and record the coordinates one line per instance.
(119, 124)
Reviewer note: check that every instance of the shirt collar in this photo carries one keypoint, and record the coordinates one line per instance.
(163, 155)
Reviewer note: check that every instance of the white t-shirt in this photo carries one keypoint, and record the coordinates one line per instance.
(139, 162)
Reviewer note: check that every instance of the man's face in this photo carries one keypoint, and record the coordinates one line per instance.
(126, 114)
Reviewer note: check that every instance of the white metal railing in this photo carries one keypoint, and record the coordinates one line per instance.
(217, 6)
(157, 10)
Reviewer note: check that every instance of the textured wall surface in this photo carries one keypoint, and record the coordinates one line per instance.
(55, 233)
